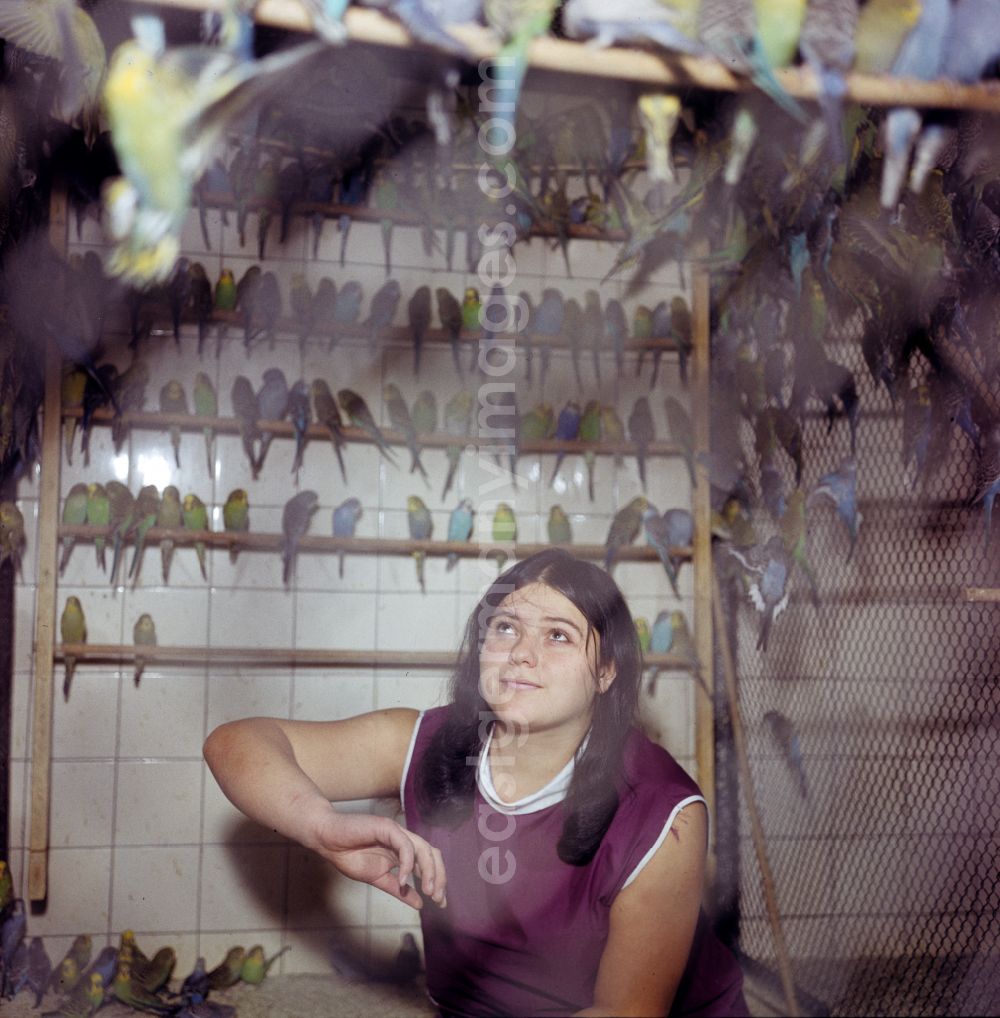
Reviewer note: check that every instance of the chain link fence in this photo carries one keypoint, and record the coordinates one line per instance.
(886, 865)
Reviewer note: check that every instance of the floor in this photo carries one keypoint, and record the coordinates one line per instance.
(292, 996)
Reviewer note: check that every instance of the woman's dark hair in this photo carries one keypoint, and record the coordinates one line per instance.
(446, 774)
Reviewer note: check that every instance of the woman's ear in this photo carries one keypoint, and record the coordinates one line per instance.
(606, 676)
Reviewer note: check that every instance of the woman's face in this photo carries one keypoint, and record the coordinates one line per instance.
(538, 663)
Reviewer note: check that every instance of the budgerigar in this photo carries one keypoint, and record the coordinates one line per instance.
(195, 516)
(457, 422)
(328, 414)
(98, 515)
(169, 517)
(421, 525)
(681, 431)
(399, 417)
(590, 433)
(236, 517)
(74, 513)
(459, 528)
(361, 417)
(786, 738)
(770, 568)
(840, 486)
(122, 517)
(147, 508)
(450, 313)
(72, 629)
(567, 430)
(558, 527)
(173, 400)
(256, 965)
(624, 529)
(143, 635)
(272, 405)
(206, 404)
(345, 520)
(300, 414)
(295, 518)
(419, 315)
(504, 531)
(167, 109)
(641, 432)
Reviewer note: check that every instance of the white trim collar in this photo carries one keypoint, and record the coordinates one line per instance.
(550, 794)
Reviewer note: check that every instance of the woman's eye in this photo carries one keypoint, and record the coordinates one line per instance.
(560, 636)
(502, 627)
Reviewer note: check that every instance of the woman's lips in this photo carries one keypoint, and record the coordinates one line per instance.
(518, 684)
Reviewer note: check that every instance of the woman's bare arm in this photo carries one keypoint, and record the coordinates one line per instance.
(284, 774)
(653, 922)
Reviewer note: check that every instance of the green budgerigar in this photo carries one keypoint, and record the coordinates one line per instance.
(98, 515)
(236, 517)
(421, 526)
(206, 404)
(147, 508)
(558, 527)
(227, 972)
(11, 533)
(590, 432)
(173, 400)
(72, 629)
(167, 108)
(256, 965)
(195, 516)
(504, 532)
(143, 635)
(169, 517)
(122, 519)
(74, 514)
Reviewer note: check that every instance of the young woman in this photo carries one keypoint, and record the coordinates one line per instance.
(559, 853)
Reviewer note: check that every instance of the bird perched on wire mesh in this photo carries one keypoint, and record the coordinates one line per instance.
(769, 568)
(786, 738)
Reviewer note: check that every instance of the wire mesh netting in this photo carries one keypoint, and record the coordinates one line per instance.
(884, 850)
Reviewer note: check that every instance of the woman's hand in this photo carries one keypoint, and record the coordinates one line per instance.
(378, 851)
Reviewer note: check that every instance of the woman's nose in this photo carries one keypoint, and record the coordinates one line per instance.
(523, 651)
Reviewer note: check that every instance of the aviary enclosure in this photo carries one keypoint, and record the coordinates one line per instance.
(809, 314)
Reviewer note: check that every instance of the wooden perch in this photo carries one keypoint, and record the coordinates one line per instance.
(370, 545)
(267, 657)
(667, 71)
(318, 433)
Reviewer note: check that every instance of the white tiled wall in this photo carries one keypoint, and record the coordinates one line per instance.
(141, 835)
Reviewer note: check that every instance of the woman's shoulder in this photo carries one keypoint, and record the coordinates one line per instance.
(650, 771)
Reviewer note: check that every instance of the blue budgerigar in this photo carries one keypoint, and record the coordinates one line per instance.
(667, 532)
(769, 568)
(345, 520)
(272, 405)
(567, 430)
(459, 527)
(840, 486)
(300, 414)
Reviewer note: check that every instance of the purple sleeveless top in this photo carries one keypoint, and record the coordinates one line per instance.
(524, 932)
